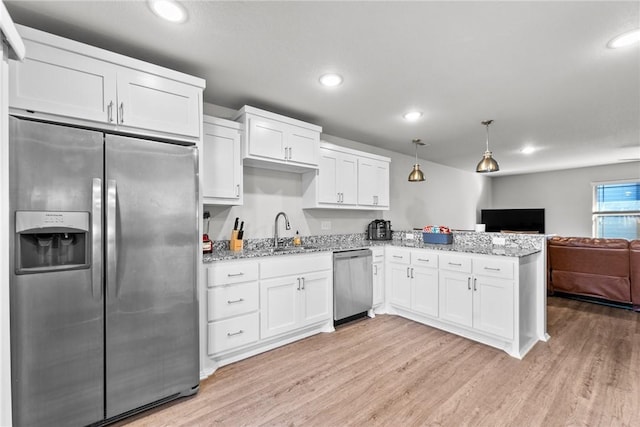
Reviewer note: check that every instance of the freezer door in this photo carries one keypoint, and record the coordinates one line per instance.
(56, 314)
(151, 299)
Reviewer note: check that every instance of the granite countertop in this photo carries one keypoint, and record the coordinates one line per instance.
(221, 255)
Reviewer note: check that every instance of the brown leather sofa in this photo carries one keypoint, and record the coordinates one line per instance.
(608, 269)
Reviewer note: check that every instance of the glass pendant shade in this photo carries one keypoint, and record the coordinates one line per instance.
(416, 174)
(488, 163)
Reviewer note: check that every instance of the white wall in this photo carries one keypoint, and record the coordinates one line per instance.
(566, 195)
(448, 197)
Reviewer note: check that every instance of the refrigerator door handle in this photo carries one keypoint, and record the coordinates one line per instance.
(96, 240)
(112, 250)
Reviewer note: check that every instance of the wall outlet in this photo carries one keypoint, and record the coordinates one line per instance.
(325, 225)
(409, 236)
(499, 241)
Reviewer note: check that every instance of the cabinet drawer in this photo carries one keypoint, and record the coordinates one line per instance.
(494, 268)
(231, 333)
(231, 300)
(231, 272)
(424, 259)
(399, 256)
(455, 263)
(294, 264)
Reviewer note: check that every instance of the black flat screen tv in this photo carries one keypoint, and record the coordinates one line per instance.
(520, 220)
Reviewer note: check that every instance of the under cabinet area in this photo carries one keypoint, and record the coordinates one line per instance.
(347, 179)
(62, 78)
(277, 142)
(222, 182)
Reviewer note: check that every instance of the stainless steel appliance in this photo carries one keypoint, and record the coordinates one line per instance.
(352, 283)
(103, 286)
(379, 229)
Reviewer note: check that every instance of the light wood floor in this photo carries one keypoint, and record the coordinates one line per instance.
(394, 372)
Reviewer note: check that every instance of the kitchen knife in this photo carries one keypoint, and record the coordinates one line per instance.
(241, 231)
(235, 225)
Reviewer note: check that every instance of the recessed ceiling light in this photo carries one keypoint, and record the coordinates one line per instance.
(625, 39)
(412, 116)
(331, 79)
(170, 10)
(527, 150)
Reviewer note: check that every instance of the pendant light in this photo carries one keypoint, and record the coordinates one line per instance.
(416, 174)
(488, 163)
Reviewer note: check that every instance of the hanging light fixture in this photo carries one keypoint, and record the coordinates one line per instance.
(416, 174)
(488, 163)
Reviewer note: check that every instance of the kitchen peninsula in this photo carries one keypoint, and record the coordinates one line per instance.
(493, 294)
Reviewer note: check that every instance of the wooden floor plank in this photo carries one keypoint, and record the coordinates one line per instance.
(392, 371)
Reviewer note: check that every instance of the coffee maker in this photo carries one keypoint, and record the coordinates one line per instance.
(379, 229)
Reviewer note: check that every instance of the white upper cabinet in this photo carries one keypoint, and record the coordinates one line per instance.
(337, 184)
(221, 162)
(373, 182)
(277, 142)
(65, 80)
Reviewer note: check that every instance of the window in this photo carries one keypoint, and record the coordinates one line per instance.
(616, 210)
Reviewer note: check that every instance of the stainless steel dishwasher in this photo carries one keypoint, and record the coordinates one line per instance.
(352, 284)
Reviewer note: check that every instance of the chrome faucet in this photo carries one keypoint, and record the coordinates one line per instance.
(275, 227)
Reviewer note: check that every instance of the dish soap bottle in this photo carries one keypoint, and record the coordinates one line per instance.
(296, 239)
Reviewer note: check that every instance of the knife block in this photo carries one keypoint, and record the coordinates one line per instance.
(235, 244)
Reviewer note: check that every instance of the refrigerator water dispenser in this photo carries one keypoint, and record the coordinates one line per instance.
(51, 241)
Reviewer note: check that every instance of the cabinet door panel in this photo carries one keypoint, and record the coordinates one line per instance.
(152, 102)
(56, 81)
(456, 298)
(303, 145)
(278, 306)
(316, 298)
(221, 166)
(400, 286)
(347, 179)
(327, 176)
(425, 291)
(366, 182)
(493, 306)
(266, 138)
(378, 283)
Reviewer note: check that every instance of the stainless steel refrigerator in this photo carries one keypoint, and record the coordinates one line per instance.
(104, 311)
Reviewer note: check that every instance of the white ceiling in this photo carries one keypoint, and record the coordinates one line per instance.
(540, 70)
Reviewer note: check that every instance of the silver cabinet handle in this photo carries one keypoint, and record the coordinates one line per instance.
(475, 282)
(235, 274)
(96, 238)
(456, 264)
(235, 301)
(492, 269)
(238, 190)
(302, 280)
(408, 274)
(230, 334)
(298, 283)
(375, 269)
(412, 272)
(122, 112)
(398, 256)
(469, 283)
(110, 112)
(112, 249)
(290, 153)
(422, 259)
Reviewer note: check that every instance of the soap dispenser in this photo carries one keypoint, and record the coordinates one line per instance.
(296, 239)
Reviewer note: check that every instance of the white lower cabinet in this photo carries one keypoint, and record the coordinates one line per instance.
(232, 305)
(470, 298)
(413, 279)
(255, 305)
(297, 300)
(378, 276)
(486, 298)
